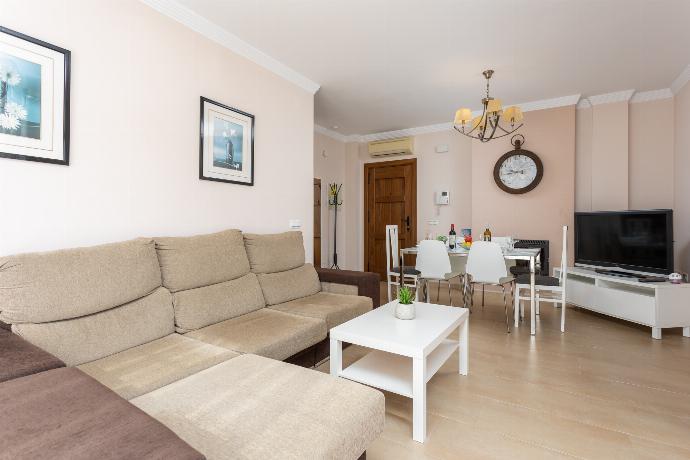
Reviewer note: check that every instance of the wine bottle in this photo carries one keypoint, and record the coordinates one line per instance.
(487, 233)
(452, 237)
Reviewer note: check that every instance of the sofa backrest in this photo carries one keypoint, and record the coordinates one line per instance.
(209, 277)
(86, 303)
(278, 261)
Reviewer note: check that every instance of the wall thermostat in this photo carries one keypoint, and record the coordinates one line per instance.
(443, 197)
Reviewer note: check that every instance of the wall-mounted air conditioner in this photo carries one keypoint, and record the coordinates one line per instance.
(401, 146)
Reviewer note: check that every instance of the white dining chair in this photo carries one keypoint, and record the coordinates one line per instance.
(553, 286)
(433, 264)
(410, 274)
(505, 242)
(486, 265)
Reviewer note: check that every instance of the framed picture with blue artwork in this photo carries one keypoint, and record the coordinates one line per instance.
(34, 99)
(226, 146)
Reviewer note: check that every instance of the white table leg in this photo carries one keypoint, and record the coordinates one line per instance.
(463, 341)
(686, 331)
(336, 357)
(656, 333)
(533, 311)
(418, 399)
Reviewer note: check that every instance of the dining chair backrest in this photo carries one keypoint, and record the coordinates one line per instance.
(503, 241)
(485, 263)
(564, 258)
(433, 261)
(392, 253)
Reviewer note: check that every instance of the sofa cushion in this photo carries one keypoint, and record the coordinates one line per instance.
(202, 260)
(19, 357)
(196, 308)
(52, 286)
(335, 309)
(264, 332)
(274, 253)
(289, 285)
(337, 288)
(80, 340)
(147, 367)
(253, 407)
(65, 414)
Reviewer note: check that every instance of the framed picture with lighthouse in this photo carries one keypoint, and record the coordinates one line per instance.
(226, 144)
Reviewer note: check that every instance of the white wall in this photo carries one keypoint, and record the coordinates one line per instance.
(136, 81)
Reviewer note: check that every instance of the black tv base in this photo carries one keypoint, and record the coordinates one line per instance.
(611, 272)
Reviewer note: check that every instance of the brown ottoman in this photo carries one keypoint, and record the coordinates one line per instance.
(65, 414)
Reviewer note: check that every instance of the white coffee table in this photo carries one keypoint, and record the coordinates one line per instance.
(406, 353)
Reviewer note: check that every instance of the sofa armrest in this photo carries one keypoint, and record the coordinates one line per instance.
(19, 358)
(367, 283)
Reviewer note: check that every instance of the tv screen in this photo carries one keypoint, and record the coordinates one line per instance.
(635, 240)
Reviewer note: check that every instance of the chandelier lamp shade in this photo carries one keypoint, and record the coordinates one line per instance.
(493, 123)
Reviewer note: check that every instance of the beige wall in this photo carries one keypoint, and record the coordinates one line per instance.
(650, 183)
(681, 190)
(540, 213)
(645, 129)
(136, 81)
(610, 156)
(329, 166)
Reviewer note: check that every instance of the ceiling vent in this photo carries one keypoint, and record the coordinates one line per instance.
(402, 146)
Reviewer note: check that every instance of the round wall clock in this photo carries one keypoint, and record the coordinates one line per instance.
(519, 170)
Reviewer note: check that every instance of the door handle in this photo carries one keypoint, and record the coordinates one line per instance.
(407, 223)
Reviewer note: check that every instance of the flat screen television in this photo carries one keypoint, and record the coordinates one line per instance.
(633, 240)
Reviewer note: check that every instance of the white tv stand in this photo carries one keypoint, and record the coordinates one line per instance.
(658, 305)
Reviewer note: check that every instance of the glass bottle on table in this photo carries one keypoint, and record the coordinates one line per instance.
(487, 234)
(452, 237)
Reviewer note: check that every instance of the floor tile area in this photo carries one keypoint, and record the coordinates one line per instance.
(603, 390)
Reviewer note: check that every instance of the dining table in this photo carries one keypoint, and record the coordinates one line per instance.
(528, 254)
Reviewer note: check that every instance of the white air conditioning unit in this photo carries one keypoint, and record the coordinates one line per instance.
(401, 146)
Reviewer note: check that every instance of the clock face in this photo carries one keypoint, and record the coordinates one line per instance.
(518, 171)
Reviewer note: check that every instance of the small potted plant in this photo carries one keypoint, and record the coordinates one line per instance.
(405, 307)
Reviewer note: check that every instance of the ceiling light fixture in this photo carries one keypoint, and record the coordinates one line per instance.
(487, 126)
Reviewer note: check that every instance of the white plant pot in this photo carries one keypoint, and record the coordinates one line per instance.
(403, 311)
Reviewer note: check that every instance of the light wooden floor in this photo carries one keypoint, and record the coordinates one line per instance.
(603, 390)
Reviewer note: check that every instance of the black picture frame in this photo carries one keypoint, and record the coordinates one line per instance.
(202, 126)
(66, 101)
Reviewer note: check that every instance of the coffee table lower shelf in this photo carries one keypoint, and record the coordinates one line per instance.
(391, 372)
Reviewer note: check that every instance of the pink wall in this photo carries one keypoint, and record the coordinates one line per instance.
(136, 81)
(681, 216)
(540, 213)
(610, 156)
(650, 162)
(329, 166)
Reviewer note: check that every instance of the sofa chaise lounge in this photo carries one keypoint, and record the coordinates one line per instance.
(192, 330)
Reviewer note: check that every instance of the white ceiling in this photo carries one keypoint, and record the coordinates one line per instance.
(393, 64)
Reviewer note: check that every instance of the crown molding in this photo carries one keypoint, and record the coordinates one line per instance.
(332, 134)
(553, 103)
(648, 96)
(214, 32)
(681, 80)
(440, 127)
(583, 104)
(608, 98)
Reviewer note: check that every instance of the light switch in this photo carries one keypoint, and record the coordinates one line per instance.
(295, 224)
(441, 148)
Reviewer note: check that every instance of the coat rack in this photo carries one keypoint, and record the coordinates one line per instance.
(335, 200)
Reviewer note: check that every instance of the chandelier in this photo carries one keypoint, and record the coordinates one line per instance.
(487, 126)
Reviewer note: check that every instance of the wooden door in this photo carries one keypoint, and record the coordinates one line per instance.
(390, 197)
(317, 222)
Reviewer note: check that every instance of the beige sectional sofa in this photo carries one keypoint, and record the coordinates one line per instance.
(191, 330)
